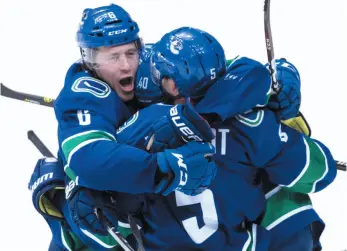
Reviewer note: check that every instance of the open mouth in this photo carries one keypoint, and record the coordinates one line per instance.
(127, 84)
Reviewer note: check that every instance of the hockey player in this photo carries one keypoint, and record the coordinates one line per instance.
(235, 176)
(295, 179)
(97, 97)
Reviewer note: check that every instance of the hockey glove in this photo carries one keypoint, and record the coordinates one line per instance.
(46, 181)
(84, 202)
(188, 168)
(299, 123)
(286, 103)
(180, 125)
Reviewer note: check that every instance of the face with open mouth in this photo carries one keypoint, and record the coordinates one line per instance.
(117, 66)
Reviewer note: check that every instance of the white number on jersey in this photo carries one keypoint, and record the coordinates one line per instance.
(143, 83)
(283, 136)
(209, 214)
(83, 117)
(213, 73)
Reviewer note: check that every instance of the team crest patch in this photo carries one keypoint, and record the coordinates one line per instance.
(252, 121)
(94, 86)
(175, 45)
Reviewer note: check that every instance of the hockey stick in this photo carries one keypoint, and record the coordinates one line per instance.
(111, 230)
(39, 144)
(38, 100)
(270, 47)
(47, 153)
(340, 165)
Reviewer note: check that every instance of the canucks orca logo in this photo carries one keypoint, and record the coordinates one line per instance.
(175, 46)
(94, 86)
(252, 119)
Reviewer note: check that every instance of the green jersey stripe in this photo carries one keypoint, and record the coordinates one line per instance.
(281, 204)
(64, 241)
(69, 172)
(84, 143)
(272, 192)
(76, 140)
(325, 171)
(248, 242)
(69, 152)
(288, 215)
(105, 241)
(305, 167)
(251, 243)
(87, 132)
(315, 169)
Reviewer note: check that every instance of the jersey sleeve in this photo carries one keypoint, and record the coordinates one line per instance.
(88, 113)
(135, 130)
(290, 158)
(256, 137)
(303, 165)
(246, 85)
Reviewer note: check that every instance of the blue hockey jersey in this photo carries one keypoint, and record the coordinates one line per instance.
(215, 219)
(209, 221)
(88, 112)
(295, 165)
(245, 85)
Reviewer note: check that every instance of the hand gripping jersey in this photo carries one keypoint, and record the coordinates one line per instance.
(221, 217)
(208, 221)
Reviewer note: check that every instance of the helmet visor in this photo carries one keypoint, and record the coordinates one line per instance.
(96, 58)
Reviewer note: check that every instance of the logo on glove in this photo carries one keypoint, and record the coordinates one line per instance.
(185, 130)
(40, 180)
(183, 169)
(69, 187)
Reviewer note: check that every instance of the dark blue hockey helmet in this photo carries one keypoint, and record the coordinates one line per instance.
(146, 91)
(191, 57)
(105, 26)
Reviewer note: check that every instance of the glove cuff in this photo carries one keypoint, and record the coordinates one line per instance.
(164, 175)
(46, 180)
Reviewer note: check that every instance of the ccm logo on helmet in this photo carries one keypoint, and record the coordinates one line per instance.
(116, 32)
(185, 130)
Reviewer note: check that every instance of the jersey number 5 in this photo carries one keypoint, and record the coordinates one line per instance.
(209, 215)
